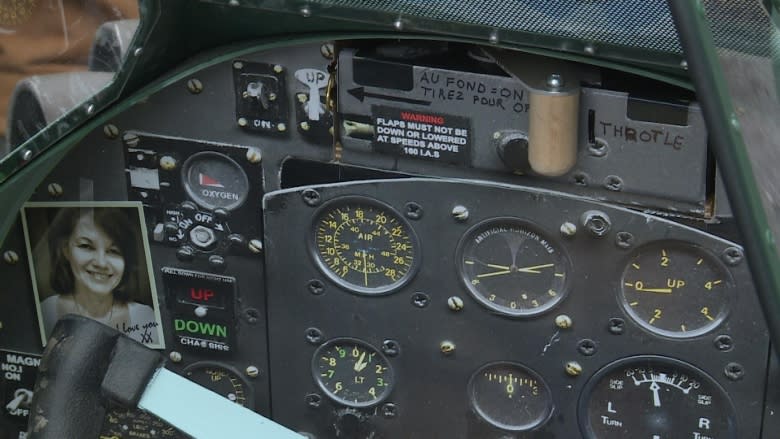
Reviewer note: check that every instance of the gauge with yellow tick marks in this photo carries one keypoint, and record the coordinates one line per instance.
(676, 289)
(512, 268)
(364, 246)
(352, 372)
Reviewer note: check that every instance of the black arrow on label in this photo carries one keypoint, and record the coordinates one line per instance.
(360, 93)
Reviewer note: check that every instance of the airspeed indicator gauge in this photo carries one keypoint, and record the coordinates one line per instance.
(364, 246)
(512, 268)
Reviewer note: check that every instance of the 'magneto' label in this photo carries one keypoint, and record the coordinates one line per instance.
(421, 134)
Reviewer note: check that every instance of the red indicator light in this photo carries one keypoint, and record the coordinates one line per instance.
(201, 294)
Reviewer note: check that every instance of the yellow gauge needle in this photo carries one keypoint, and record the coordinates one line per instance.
(500, 267)
(365, 268)
(534, 269)
(360, 365)
(495, 273)
(656, 290)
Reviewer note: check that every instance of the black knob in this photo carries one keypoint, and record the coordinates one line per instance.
(513, 151)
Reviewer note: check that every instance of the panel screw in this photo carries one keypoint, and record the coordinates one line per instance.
(281, 127)
(311, 197)
(278, 68)
(389, 410)
(314, 336)
(252, 371)
(734, 371)
(55, 190)
(90, 108)
(493, 38)
(254, 155)
(589, 49)
(447, 347)
(304, 126)
(242, 122)
(27, 155)
(398, 24)
(460, 213)
(10, 257)
(327, 51)
(580, 179)
(111, 131)
(130, 140)
(252, 316)
(194, 86)
(238, 65)
(732, 256)
(413, 210)
(175, 356)
(573, 368)
(598, 148)
(455, 303)
(391, 348)
(167, 163)
(313, 400)
(255, 246)
(271, 97)
(305, 11)
(555, 81)
(496, 135)
(420, 300)
(616, 326)
(138, 51)
(597, 223)
(613, 183)
(587, 347)
(563, 321)
(724, 343)
(316, 287)
(624, 240)
(684, 64)
(568, 229)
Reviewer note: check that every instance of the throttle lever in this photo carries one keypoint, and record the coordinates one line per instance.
(86, 365)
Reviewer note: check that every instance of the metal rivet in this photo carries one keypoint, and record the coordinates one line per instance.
(420, 300)
(493, 38)
(573, 368)
(305, 11)
(732, 256)
(460, 213)
(587, 347)
(238, 65)
(316, 287)
(723, 343)
(313, 400)
(271, 96)
(563, 321)
(27, 155)
(111, 131)
(175, 356)
(568, 229)
(398, 24)
(201, 311)
(327, 51)
(455, 303)
(304, 125)
(281, 127)
(90, 108)
(413, 210)
(138, 51)
(55, 190)
(624, 240)
(684, 64)
(496, 135)
(278, 68)
(313, 335)
(734, 371)
(389, 410)
(10, 257)
(311, 197)
(447, 347)
(589, 49)
(555, 81)
(194, 86)
(302, 97)
(616, 326)
(242, 122)
(391, 348)
(255, 246)
(167, 163)
(252, 371)
(254, 155)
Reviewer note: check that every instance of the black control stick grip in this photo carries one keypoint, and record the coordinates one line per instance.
(84, 366)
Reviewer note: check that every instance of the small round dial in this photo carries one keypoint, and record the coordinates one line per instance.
(215, 180)
(675, 289)
(512, 268)
(219, 379)
(364, 246)
(655, 397)
(510, 396)
(353, 373)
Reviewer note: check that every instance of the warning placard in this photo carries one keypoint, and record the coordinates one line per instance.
(18, 379)
(424, 135)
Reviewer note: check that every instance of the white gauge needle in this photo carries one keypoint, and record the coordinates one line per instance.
(360, 365)
(656, 398)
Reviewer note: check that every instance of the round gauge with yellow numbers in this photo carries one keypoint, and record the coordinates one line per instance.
(352, 373)
(676, 289)
(512, 267)
(364, 246)
(510, 396)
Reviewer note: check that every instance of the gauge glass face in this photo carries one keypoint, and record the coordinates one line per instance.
(215, 181)
(364, 246)
(510, 396)
(675, 289)
(655, 397)
(352, 373)
(219, 380)
(512, 268)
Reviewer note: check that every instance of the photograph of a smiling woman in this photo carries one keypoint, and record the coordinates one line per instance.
(92, 260)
